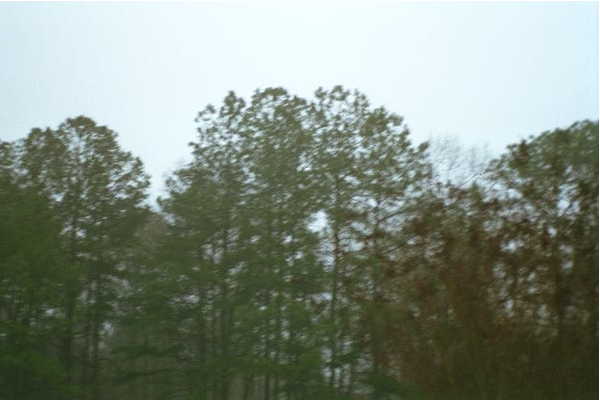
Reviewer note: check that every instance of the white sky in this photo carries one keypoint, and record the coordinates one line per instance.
(488, 73)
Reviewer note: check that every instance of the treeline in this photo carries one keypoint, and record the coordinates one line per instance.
(308, 251)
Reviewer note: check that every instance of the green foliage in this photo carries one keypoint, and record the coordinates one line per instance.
(94, 191)
(308, 251)
(30, 277)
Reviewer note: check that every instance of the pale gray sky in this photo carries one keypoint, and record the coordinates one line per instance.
(486, 73)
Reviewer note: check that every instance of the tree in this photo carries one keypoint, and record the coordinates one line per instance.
(308, 250)
(241, 211)
(30, 287)
(97, 191)
(549, 184)
(370, 175)
(499, 307)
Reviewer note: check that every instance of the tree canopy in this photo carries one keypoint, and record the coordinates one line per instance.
(309, 250)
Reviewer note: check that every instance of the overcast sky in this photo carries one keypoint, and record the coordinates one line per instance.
(487, 73)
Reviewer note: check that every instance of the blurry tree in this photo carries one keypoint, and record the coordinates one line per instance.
(504, 296)
(30, 290)
(97, 191)
(308, 251)
(241, 211)
(549, 187)
(370, 177)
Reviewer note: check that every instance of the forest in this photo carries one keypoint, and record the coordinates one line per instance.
(309, 250)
